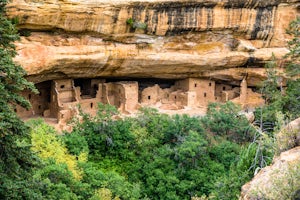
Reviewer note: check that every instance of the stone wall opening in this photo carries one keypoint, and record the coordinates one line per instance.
(39, 102)
(59, 98)
(86, 89)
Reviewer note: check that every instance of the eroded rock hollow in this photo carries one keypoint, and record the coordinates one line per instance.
(225, 42)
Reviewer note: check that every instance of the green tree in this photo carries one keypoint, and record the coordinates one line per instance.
(293, 67)
(291, 101)
(279, 99)
(16, 159)
(272, 93)
(225, 120)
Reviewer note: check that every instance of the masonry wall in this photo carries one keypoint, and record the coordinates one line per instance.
(109, 95)
(95, 86)
(182, 85)
(123, 95)
(39, 102)
(230, 94)
(89, 105)
(166, 95)
(151, 95)
(179, 98)
(204, 89)
(191, 99)
(222, 87)
(65, 89)
(131, 95)
(60, 98)
(54, 107)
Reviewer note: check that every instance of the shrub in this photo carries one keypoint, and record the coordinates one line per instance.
(225, 120)
(48, 146)
(136, 24)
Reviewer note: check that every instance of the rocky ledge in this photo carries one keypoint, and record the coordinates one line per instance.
(278, 181)
(220, 40)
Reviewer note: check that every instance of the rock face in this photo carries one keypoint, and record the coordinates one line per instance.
(289, 136)
(279, 181)
(169, 39)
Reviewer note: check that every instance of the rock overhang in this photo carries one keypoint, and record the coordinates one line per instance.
(210, 38)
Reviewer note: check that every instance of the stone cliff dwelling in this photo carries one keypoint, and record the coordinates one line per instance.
(60, 98)
(221, 40)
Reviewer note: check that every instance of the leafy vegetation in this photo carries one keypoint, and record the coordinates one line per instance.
(156, 156)
(136, 24)
(17, 162)
(282, 100)
(150, 156)
(282, 106)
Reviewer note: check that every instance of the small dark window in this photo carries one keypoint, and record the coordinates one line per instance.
(195, 84)
(204, 94)
(175, 97)
(62, 86)
(40, 107)
(29, 96)
(149, 97)
(224, 88)
(91, 105)
(15, 110)
(209, 84)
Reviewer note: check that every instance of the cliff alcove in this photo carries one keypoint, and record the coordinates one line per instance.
(85, 42)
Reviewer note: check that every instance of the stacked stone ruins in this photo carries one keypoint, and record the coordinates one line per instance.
(61, 99)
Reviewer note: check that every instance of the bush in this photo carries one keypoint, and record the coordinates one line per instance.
(225, 120)
(48, 146)
(75, 143)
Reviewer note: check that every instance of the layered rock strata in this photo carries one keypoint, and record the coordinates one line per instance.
(219, 40)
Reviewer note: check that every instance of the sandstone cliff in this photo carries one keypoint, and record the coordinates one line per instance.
(279, 181)
(221, 40)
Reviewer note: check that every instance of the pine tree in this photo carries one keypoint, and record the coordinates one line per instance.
(16, 158)
(293, 67)
(292, 98)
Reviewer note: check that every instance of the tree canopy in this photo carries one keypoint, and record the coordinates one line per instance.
(16, 158)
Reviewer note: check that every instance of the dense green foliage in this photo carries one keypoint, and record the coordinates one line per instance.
(16, 160)
(67, 176)
(156, 156)
(149, 156)
(280, 99)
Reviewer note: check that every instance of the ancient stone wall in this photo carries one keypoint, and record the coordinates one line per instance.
(39, 102)
(131, 95)
(228, 95)
(60, 99)
(204, 89)
(222, 87)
